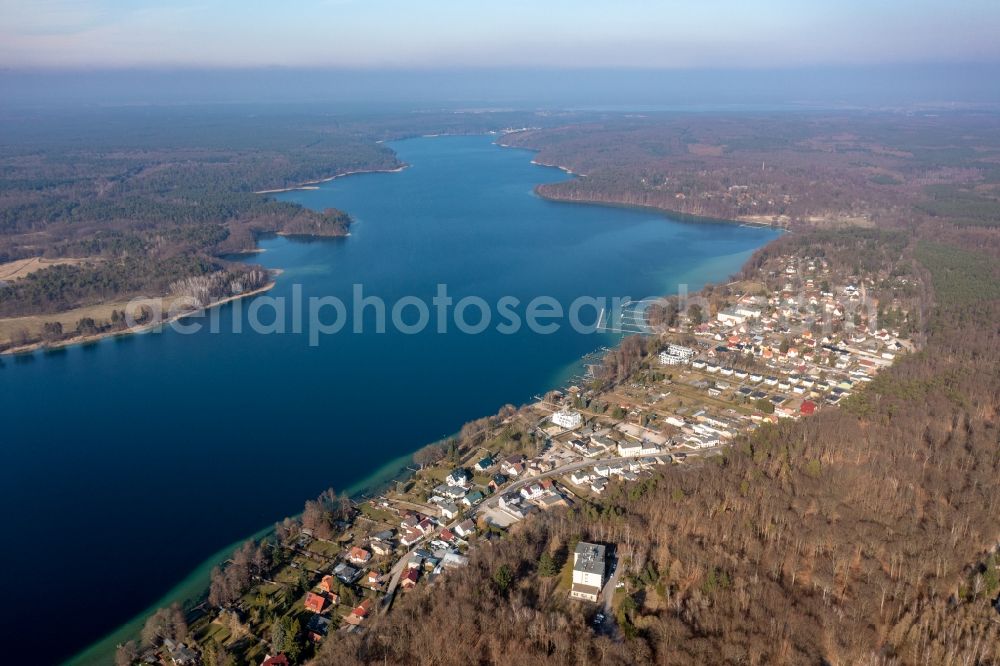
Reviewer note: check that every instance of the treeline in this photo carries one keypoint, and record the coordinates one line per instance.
(148, 211)
(798, 170)
(860, 535)
(65, 287)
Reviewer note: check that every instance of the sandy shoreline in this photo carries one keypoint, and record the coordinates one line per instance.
(84, 339)
(561, 168)
(312, 184)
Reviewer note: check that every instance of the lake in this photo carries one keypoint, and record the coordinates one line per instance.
(129, 463)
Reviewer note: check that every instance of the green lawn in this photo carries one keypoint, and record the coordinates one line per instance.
(324, 548)
(377, 514)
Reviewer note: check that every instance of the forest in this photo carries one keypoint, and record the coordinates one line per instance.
(146, 197)
(808, 169)
(867, 534)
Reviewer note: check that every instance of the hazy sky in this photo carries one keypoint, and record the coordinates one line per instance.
(548, 33)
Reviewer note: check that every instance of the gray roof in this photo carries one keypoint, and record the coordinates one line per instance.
(589, 558)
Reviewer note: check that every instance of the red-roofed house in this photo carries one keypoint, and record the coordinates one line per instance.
(315, 602)
(359, 555)
(409, 578)
(373, 579)
(276, 660)
(359, 613)
(808, 408)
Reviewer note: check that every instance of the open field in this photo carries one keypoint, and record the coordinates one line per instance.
(19, 268)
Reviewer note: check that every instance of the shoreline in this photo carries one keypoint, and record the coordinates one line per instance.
(674, 214)
(678, 216)
(312, 184)
(87, 339)
(195, 585)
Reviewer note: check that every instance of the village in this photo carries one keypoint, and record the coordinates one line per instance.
(799, 338)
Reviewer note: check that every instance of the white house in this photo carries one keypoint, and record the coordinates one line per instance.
(465, 529)
(458, 477)
(588, 571)
(629, 448)
(648, 448)
(730, 317)
(449, 510)
(567, 419)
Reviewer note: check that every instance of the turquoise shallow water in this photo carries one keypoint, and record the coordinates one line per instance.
(126, 463)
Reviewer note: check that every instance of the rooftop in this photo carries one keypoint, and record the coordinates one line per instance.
(589, 558)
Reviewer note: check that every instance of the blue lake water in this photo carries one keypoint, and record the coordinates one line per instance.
(126, 463)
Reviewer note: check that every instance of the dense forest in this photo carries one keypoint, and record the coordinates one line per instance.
(868, 534)
(787, 169)
(149, 196)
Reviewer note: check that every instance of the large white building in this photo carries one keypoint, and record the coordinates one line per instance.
(588, 571)
(676, 355)
(567, 419)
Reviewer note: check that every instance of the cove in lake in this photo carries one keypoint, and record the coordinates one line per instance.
(126, 463)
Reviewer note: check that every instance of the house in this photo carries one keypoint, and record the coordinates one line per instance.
(409, 578)
(347, 574)
(180, 654)
(276, 660)
(454, 560)
(497, 481)
(449, 510)
(513, 465)
(807, 408)
(730, 317)
(588, 571)
(410, 537)
(648, 448)
(458, 477)
(411, 519)
(466, 528)
(317, 627)
(473, 498)
(580, 478)
(315, 602)
(358, 556)
(373, 579)
(551, 500)
(454, 492)
(509, 500)
(329, 585)
(599, 484)
(629, 448)
(567, 419)
(447, 536)
(380, 547)
(532, 491)
(357, 615)
(484, 464)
